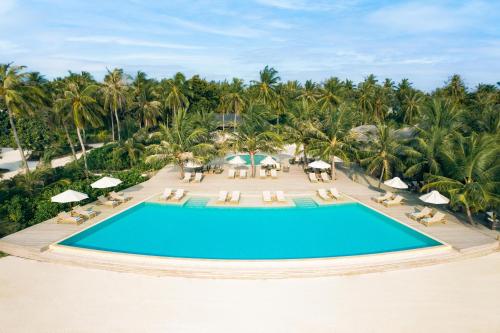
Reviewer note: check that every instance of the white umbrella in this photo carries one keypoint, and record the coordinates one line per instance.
(69, 196)
(237, 161)
(434, 197)
(337, 159)
(106, 182)
(268, 161)
(192, 165)
(396, 182)
(319, 165)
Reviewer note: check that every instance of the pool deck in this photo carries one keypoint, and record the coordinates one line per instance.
(462, 240)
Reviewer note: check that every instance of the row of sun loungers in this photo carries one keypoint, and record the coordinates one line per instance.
(268, 197)
(169, 194)
(263, 173)
(389, 199)
(198, 176)
(324, 177)
(329, 195)
(232, 198)
(232, 173)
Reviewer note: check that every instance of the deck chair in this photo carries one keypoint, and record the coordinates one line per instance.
(324, 195)
(436, 218)
(198, 177)
(312, 177)
(280, 196)
(243, 173)
(167, 193)
(106, 202)
(267, 197)
(421, 214)
(231, 173)
(274, 174)
(396, 201)
(262, 173)
(386, 196)
(187, 177)
(335, 193)
(325, 177)
(118, 196)
(84, 212)
(222, 197)
(235, 197)
(65, 217)
(179, 194)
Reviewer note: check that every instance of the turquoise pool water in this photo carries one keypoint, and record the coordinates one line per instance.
(250, 233)
(258, 158)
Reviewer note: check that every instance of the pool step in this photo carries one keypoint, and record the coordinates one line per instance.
(305, 203)
(196, 202)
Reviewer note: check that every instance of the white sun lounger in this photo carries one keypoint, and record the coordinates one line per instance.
(262, 173)
(198, 177)
(267, 197)
(65, 217)
(323, 194)
(312, 177)
(167, 193)
(222, 197)
(104, 201)
(280, 196)
(243, 173)
(335, 193)
(235, 197)
(187, 177)
(386, 196)
(179, 194)
(119, 196)
(436, 218)
(84, 212)
(274, 174)
(421, 214)
(325, 177)
(396, 201)
(231, 173)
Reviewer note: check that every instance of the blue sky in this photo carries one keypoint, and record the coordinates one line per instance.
(425, 41)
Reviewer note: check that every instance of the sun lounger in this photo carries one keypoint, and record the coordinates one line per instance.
(106, 202)
(179, 194)
(235, 197)
(335, 193)
(198, 177)
(267, 197)
(222, 197)
(167, 193)
(386, 196)
(436, 218)
(421, 214)
(324, 195)
(118, 196)
(312, 177)
(274, 173)
(231, 173)
(65, 217)
(325, 177)
(280, 196)
(84, 212)
(262, 173)
(243, 173)
(187, 177)
(396, 201)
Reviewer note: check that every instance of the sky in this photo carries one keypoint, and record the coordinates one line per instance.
(424, 41)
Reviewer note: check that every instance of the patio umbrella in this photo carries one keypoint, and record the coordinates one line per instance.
(268, 161)
(237, 161)
(396, 182)
(434, 197)
(337, 159)
(69, 196)
(319, 165)
(106, 182)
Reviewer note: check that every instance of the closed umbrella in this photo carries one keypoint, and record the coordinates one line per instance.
(268, 161)
(237, 161)
(396, 182)
(106, 182)
(69, 196)
(319, 165)
(434, 197)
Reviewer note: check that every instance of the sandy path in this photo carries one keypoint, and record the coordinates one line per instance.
(456, 297)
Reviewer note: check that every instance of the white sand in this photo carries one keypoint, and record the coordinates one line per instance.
(456, 297)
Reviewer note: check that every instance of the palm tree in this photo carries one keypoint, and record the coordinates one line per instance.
(114, 89)
(384, 154)
(59, 116)
(81, 104)
(472, 173)
(333, 137)
(309, 94)
(233, 100)
(329, 96)
(181, 142)
(173, 93)
(19, 97)
(254, 136)
(266, 85)
(131, 148)
(412, 105)
(299, 127)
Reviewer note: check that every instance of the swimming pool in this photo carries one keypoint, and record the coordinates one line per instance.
(257, 158)
(250, 233)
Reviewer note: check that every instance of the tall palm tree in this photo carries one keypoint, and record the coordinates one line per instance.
(82, 105)
(233, 100)
(131, 148)
(173, 93)
(19, 98)
(299, 127)
(61, 118)
(309, 94)
(115, 88)
(472, 173)
(412, 105)
(265, 86)
(385, 153)
(333, 137)
(329, 96)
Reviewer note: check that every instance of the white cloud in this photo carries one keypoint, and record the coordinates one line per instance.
(306, 5)
(6, 6)
(8, 47)
(233, 31)
(128, 42)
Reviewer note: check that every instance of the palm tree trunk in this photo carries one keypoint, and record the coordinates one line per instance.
(469, 215)
(112, 126)
(305, 157)
(69, 141)
(381, 175)
(18, 143)
(252, 163)
(118, 125)
(334, 173)
(234, 125)
(84, 152)
(223, 123)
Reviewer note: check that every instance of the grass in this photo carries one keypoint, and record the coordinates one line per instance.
(3, 254)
